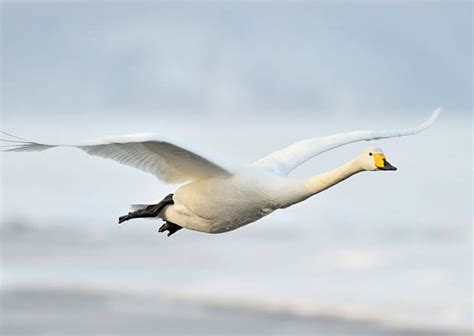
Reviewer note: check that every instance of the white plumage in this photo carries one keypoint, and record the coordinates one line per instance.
(214, 198)
(167, 161)
(289, 158)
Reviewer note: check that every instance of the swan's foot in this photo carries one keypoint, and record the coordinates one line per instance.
(150, 211)
(170, 227)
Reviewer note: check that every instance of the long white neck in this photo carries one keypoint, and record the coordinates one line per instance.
(319, 183)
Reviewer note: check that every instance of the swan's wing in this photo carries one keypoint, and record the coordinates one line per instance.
(287, 159)
(167, 161)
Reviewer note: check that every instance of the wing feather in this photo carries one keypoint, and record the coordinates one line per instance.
(287, 159)
(167, 161)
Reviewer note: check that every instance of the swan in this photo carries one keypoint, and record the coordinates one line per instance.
(213, 198)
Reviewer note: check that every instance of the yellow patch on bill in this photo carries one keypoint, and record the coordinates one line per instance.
(379, 160)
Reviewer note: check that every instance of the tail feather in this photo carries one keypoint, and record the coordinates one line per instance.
(139, 206)
(135, 207)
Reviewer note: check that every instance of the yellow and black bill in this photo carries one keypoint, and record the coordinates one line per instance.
(382, 164)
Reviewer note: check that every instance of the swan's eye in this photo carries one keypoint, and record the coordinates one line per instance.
(370, 153)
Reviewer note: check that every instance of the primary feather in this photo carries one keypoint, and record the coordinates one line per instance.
(287, 159)
(167, 161)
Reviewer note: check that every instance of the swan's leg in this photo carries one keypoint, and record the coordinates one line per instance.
(150, 211)
(170, 227)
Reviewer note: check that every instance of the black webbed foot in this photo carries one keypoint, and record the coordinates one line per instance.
(150, 211)
(124, 218)
(170, 227)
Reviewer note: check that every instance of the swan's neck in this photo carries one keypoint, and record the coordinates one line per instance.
(319, 183)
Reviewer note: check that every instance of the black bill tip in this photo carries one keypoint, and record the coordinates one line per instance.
(387, 166)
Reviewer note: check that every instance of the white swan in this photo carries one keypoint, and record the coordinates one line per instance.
(215, 199)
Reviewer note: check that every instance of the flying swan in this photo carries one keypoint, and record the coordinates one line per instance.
(214, 199)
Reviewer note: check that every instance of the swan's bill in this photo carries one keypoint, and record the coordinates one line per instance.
(381, 163)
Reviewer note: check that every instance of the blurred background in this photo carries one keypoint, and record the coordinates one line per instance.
(380, 254)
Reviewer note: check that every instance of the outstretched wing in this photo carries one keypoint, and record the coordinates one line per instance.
(167, 161)
(287, 159)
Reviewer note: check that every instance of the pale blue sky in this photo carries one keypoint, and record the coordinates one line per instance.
(237, 81)
(236, 58)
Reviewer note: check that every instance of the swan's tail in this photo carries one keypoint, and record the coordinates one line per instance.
(135, 207)
(139, 206)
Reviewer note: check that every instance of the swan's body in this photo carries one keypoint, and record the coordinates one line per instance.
(223, 204)
(215, 199)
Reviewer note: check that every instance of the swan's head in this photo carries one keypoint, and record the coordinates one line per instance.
(373, 159)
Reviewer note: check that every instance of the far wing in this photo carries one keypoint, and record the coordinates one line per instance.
(287, 159)
(167, 161)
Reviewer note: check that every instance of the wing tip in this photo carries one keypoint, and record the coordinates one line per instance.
(28, 147)
(14, 143)
(431, 119)
(436, 113)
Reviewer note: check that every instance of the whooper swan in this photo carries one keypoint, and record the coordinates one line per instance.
(215, 199)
